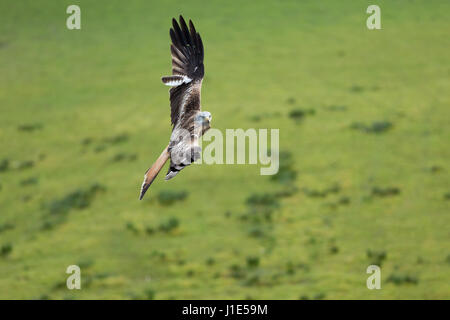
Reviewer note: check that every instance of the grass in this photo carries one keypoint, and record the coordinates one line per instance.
(363, 118)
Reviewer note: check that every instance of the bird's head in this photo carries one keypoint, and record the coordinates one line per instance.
(203, 117)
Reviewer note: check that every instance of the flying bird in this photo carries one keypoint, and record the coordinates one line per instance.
(189, 123)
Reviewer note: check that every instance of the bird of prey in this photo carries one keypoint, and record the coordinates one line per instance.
(189, 123)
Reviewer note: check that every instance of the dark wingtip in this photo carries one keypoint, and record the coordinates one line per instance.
(182, 22)
(191, 26)
(193, 32)
(175, 24)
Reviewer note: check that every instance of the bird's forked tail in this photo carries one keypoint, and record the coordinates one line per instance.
(153, 171)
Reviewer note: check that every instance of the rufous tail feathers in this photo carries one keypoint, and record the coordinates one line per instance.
(153, 171)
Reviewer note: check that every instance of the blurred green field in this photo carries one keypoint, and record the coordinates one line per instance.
(364, 130)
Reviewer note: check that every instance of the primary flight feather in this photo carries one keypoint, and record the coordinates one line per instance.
(189, 123)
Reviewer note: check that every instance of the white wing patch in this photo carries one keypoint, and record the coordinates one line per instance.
(174, 81)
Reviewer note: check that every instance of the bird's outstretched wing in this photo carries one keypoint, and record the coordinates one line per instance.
(187, 71)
